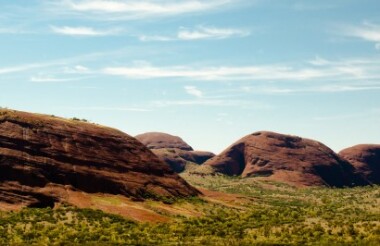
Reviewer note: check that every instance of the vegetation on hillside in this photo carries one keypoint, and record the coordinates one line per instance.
(276, 215)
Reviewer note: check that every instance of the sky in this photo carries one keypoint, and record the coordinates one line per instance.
(209, 71)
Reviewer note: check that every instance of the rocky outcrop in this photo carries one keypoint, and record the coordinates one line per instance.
(159, 140)
(41, 156)
(366, 160)
(285, 158)
(173, 150)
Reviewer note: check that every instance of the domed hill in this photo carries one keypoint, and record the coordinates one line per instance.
(284, 158)
(173, 150)
(366, 159)
(42, 156)
(159, 140)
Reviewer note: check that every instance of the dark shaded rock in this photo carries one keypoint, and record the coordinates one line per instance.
(179, 159)
(286, 158)
(37, 151)
(173, 150)
(366, 160)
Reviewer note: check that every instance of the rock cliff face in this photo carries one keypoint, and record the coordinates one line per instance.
(41, 156)
(366, 160)
(173, 150)
(284, 158)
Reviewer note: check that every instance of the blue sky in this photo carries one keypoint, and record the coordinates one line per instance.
(209, 71)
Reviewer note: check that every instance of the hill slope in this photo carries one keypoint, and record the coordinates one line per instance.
(366, 160)
(286, 158)
(41, 157)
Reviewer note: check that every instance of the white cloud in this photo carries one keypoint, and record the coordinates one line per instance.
(83, 31)
(318, 61)
(198, 33)
(50, 79)
(272, 90)
(203, 32)
(20, 68)
(368, 32)
(133, 9)
(78, 69)
(128, 109)
(334, 71)
(13, 30)
(213, 102)
(194, 91)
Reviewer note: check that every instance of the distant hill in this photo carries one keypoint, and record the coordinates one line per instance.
(285, 158)
(42, 157)
(366, 160)
(160, 140)
(173, 150)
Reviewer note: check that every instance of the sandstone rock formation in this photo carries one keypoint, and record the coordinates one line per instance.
(42, 156)
(284, 158)
(366, 160)
(159, 140)
(173, 150)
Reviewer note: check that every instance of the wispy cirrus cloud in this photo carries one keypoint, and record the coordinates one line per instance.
(213, 103)
(133, 9)
(312, 70)
(367, 31)
(83, 31)
(199, 33)
(13, 30)
(117, 108)
(289, 90)
(203, 32)
(52, 79)
(20, 68)
(77, 69)
(194, 91)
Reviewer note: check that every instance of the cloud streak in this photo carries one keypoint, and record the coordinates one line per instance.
(133, 9)
(368, 32)
(83, 31)
(50, 79)
(199, 33)
(121, 109)
(203, 32)
(320, 69)
(194, 91)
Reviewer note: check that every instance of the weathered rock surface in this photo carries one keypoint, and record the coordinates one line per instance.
(173, 150)
(285, 158)
(41, 156)
(159, 140)
(366, 160)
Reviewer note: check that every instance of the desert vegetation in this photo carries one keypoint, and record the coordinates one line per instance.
(263, 213)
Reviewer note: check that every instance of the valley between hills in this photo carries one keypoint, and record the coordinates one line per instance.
(69, 182)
